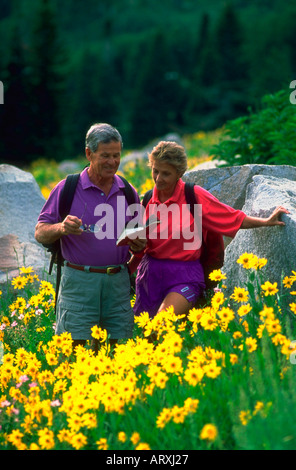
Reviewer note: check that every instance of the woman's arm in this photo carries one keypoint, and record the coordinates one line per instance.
(273, 219)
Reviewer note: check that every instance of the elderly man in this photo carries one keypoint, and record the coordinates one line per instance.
(95, 283)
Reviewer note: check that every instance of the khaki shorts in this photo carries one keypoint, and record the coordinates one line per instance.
(88, 299)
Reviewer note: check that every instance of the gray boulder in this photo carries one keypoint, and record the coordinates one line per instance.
(277, 244)
(21, 202)
(229, 184)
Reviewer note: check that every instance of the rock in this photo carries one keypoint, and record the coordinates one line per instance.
(276, 244)
(229, 184)
(21, 202)
(208, 164)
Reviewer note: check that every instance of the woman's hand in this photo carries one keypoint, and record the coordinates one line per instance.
(137, 245)
(273, 219)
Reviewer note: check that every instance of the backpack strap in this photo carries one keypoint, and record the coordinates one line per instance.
(146, 198)
(128, 191)
(65, 203)
(190, 196)
(67, 194)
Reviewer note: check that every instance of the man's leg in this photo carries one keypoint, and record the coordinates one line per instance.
(78, 342)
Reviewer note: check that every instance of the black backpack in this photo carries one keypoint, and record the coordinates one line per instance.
(212, 256)
(65, 203)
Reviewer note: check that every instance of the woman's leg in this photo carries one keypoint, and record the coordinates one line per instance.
(178, 301)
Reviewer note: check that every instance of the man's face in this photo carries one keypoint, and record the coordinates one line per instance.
(105, 160)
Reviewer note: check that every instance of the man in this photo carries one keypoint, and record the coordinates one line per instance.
(95, 284)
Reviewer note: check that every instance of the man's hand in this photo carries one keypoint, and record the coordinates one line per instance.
(49, 233)
(71, 226)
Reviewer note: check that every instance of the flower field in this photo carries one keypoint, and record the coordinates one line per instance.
(221, 378)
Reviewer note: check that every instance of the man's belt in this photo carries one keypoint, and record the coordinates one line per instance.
(90, 269)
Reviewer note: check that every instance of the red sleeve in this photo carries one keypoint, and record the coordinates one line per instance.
(217, 216)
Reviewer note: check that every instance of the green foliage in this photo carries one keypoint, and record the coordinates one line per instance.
(266, 136)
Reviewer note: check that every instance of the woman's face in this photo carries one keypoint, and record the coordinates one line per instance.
(165, 176)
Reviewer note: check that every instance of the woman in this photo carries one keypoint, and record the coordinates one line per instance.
(170, 272)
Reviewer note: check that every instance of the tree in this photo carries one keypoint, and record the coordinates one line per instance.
(232, 67)
(47, 60)
(15, 114)
(155, 104)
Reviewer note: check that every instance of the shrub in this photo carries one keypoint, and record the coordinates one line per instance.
(266, 136)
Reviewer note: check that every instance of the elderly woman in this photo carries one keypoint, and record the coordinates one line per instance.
(170, 273)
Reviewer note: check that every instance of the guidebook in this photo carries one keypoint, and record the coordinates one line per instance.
(136, 232)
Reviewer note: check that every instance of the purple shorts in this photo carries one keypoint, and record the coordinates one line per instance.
(157, 277)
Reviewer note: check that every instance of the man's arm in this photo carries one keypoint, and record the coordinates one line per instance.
(49, 233)
(273, 219)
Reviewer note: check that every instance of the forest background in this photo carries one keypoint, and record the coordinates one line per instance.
(149, 67)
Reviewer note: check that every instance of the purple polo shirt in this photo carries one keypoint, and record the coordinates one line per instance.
(92, 205)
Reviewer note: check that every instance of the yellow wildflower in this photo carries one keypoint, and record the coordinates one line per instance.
(269, 289)
(226, 314)
(135, 438)
(244, 310)
(102, 444)
(233, 358)
(27, 270)
(217, 275)
(273, 326)
(163, 418)
(143, 446)
(121, 436)
(209, 432)
(288, 282)
(245, 417)
(99, 333)
(240, 294)
(217, 300)
(248, 260)
(293, 307)
(208, 321)
(212, 370)
(78, 441)
(252, 344)
(19, 282)
(193, 375)
(46, 439)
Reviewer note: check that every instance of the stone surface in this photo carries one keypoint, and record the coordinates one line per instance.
(276, 244)
(21, 202)
(229, 184)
